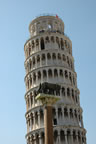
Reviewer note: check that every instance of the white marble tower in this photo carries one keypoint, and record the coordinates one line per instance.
(48, 58)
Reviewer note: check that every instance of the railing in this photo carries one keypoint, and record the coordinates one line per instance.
(48, 14)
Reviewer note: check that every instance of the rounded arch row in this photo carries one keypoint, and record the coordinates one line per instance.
(41, 43)
(66, 92)
(49, 59)
(50, 75)
(61, 115)
(61, 136)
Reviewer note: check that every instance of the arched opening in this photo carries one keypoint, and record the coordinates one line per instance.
(43, 138)
(33, 45)
(79, 136)
(34, 77)
(55, 73)
(48, 56)
(63, 91)
(31, 99)
(68, 136)
(59, 112)
(29, 49)
(39, 75)
(52, 39)
(37, 42)
(71, 113)
(55, 135)
(55, 121)
(62, 136)
(59, 56)
(36, 118)
(64, 58)
(30, 64)
(47, 39)
(43, 57)
(42, 44)
(65, 112)
(61, 72)
(54, 56)
(73, 94)
(44, 74)
(30, 80)
(74, 135)
(62, 44)
(66, 74)
(68, 61)
(38, 58)
(33, 61)
(75, 113)
(70, 77)
(37, 138)
(50, 73)
(68, 92)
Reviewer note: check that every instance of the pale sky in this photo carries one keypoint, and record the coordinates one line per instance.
(79, 17)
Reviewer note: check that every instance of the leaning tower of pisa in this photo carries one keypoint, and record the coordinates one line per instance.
(48, 58)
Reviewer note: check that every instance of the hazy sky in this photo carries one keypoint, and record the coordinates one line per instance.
(79, 17)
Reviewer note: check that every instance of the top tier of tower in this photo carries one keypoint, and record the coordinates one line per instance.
(46, 24)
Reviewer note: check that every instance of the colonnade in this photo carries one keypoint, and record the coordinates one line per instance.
(61, 136)
(49, 58)
(36, 44)
(64, 115)
(66, 93)
(48, 75)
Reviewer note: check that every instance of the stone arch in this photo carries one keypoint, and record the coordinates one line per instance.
(68, 91)
(50, 73)
(31, 98)
(75, 113)
(64, 57)
(44, 74)
(39, 75)
(43, 137)
(36, 118)
(42, 44)
(74, 135)
(52, 39)
(33, 44)
(63, 91)
(43, 57)
(54, 56)
(47, 39)
(71, 113)
(37, 138)
(61, 72)
(30, 64)
(37, 42)
(68, 135)
(55, 135)
(73, 94)
(59, 56)
(30, 81)
(55, 73)
(59, 112)
(38, 58)
(66, 74)
(62, 44)
(65, 112)
(62, 136)
(34, 77)
(68, 61)
(70, 77)
(48, 56)
(33, 61)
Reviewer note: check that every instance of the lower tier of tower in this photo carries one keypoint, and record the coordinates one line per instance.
(62, 135)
